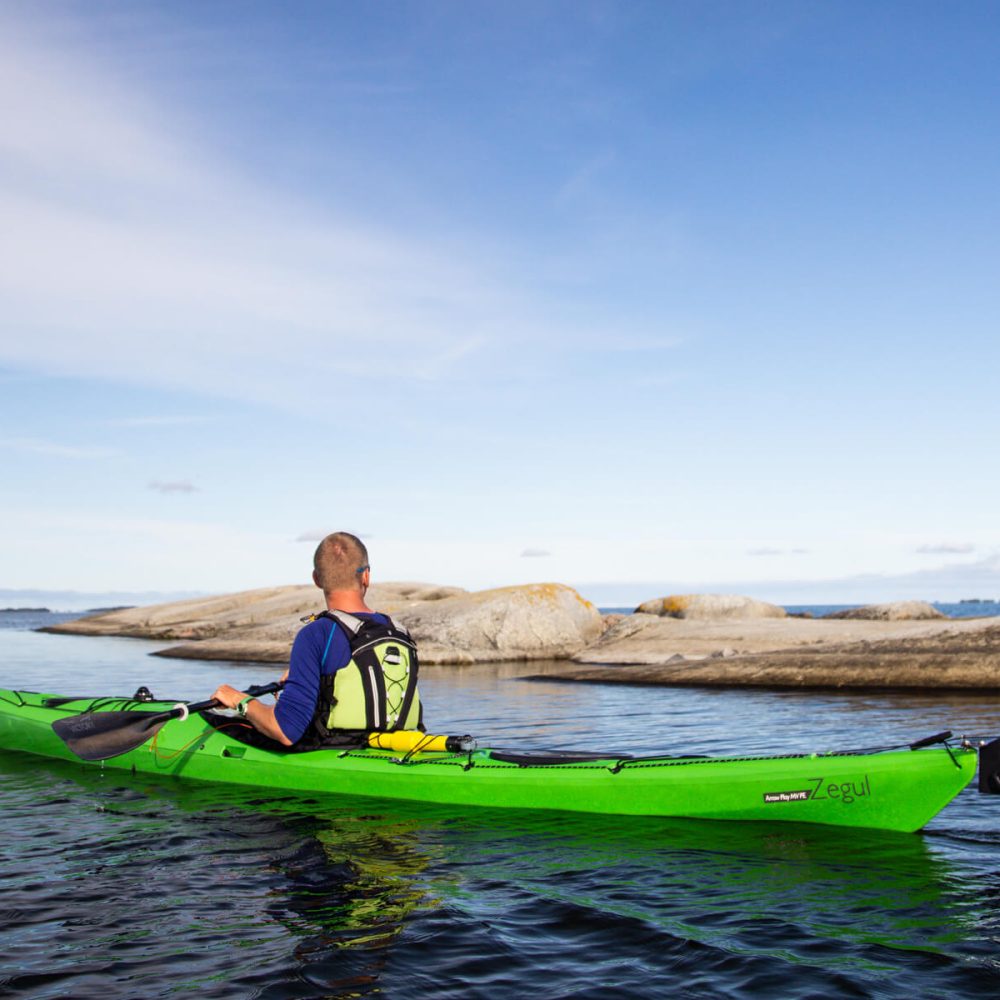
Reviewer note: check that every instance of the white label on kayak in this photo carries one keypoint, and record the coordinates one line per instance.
(799, 796)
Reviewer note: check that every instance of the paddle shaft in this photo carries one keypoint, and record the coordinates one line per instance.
(201, 706)
(101, 735)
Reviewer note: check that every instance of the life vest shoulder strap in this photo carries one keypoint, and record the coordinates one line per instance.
(353, 625)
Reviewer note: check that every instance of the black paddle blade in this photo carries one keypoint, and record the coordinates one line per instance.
(101, 735)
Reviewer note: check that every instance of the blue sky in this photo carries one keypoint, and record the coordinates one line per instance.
(633, 296)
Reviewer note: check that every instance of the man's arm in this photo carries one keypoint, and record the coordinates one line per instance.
(259, 715)
(298, 700)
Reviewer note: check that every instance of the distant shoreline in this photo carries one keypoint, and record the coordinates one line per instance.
(965, 608)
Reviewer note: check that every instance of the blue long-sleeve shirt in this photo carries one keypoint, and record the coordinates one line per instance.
(321, 648)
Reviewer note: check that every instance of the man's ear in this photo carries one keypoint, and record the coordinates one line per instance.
(316, 580)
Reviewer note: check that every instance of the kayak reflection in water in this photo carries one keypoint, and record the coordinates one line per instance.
(352, 670)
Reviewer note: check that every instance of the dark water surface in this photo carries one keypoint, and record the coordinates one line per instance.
(139, 887)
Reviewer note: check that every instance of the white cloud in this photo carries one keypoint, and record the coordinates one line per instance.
(531, 553)
(173, 486)
(134, 251)
(946, 549)
(172, 266)
(37, 446)
(96, 552)
(63, 118)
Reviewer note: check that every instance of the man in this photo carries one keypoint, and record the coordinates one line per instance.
(352, 670)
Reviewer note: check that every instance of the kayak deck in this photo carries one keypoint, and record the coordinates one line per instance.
(890, 789)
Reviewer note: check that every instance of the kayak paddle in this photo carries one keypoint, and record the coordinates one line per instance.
(100, 735)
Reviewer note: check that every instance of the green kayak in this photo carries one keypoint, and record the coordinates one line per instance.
(894, 789)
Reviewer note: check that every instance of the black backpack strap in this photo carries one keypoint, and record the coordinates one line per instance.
(363, 645)
(372, 679)
(411, 687)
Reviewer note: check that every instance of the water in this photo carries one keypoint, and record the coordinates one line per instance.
(956, 609)
(139, 887)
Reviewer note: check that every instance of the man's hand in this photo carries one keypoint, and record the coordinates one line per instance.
(260, 716)
(229, 696)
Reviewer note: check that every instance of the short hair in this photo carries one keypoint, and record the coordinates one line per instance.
(337, 560)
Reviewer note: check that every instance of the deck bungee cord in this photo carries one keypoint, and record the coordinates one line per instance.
(412, 743)
(499, 757)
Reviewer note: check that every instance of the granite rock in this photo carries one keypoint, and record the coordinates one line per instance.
(893, 612)
(529, 622)
(539, 621)
(270, 608)
(710, 606)
(965, 655)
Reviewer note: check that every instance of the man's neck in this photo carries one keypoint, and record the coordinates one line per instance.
(351, 601)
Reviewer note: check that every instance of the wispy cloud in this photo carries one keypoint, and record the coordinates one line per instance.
(312, 536)
(631, 343)
(659, 380)
(584, 183)
(532, 553)
(172, 486)
(766, 550)
(946, 549)
(165, 421)
(440, 364)
(949, 582)
(37, 446)
(61, 117)
(151, 243)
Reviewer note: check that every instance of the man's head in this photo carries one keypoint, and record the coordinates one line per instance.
(341, 563)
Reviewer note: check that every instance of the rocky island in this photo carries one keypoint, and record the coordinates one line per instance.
(695, 639)
(451, 625)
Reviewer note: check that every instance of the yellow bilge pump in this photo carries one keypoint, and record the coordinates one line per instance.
(414, 741)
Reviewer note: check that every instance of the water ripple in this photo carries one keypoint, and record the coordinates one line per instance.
(118, 886)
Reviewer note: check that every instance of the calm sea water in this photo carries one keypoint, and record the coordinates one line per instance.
(137, 887)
